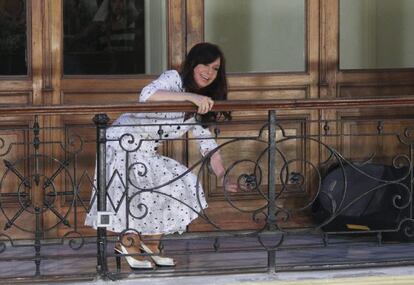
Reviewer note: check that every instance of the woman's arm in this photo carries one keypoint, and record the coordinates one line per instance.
(168, 87)
(203, 103)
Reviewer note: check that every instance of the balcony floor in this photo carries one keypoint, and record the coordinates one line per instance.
(299, 257)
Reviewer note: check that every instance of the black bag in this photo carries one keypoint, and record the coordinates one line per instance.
(361, 198)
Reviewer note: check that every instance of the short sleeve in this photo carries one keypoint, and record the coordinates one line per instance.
(205, 139)
(170, 80)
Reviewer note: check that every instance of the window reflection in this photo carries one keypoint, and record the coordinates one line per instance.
(258, 35)
(376, 34)
(13, 41)
(104, 37)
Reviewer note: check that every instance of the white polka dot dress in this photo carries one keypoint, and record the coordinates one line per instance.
(148, 192)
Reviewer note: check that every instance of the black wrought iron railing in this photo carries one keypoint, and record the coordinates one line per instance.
(304, 183)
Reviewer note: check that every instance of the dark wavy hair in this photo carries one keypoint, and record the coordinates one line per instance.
(205, 53)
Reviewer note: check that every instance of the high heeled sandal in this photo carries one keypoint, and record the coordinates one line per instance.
(132, 262)
(158, 260)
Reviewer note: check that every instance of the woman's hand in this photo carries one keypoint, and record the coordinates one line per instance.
(204, 103)
(217, 165)
(229, 185)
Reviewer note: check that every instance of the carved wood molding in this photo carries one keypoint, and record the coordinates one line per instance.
(47, 55)
(176, 36)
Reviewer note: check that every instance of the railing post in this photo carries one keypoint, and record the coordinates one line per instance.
(411, 213)
(37, 243)
(101, 122)
(271, 210)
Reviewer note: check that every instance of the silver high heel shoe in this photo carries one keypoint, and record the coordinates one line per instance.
(133, 262)
(158, 260)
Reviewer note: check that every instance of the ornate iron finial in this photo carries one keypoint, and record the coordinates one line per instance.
(101, 119)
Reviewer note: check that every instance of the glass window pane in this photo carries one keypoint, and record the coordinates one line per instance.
(258, 35)
(114, 36)
(13, 40)
(376, 34)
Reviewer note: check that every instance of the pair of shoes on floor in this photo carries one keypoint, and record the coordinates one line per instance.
(134, 263)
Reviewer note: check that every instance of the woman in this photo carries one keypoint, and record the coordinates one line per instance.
(163, 196)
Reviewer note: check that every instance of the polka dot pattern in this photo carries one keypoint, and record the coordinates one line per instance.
(163, 196)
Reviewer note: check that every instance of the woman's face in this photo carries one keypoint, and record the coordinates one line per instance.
(205, 74)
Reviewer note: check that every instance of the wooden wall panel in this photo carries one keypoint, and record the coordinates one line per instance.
(380, 149)
(374, 90)
(268, 94)
(96, 98)
(75, 142)
(16, 98)
(377, 134)
(14, 148)
(12, 152)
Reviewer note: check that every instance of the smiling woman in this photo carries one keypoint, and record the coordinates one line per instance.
(205, 74)
(172, 206)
